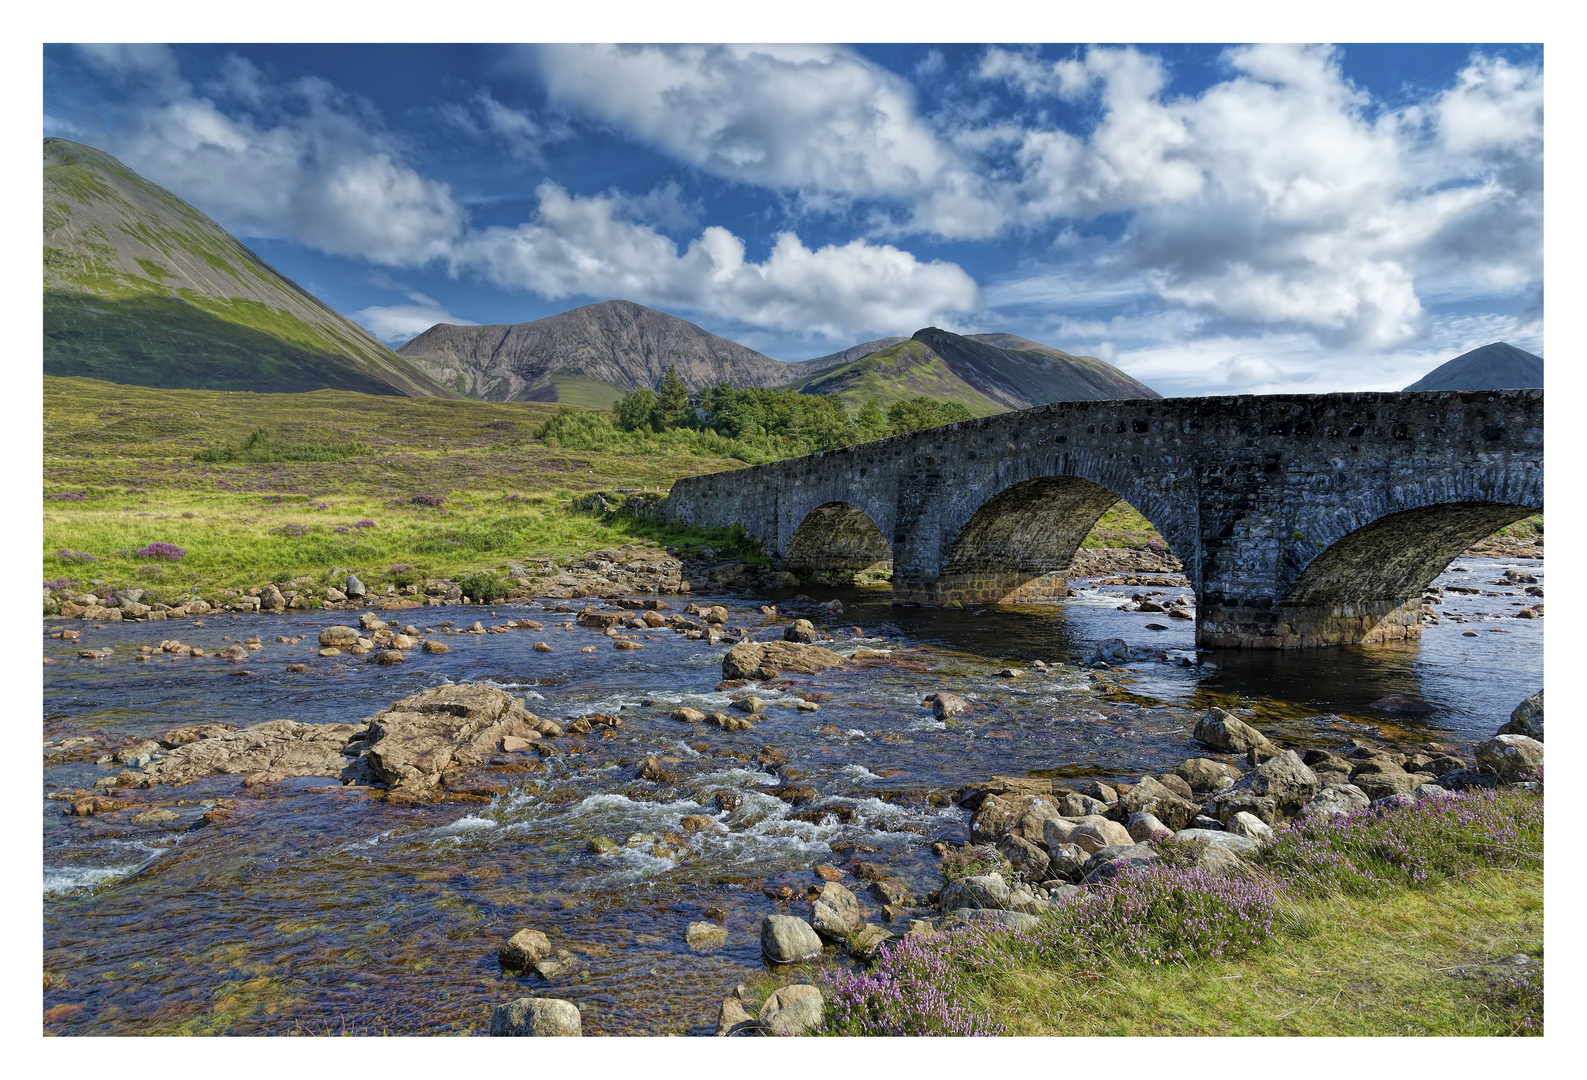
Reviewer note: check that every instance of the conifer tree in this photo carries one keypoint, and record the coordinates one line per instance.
(672, 401)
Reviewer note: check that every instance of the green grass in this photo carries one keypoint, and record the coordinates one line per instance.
(896, 374)
(584, 391)
(1336, 967)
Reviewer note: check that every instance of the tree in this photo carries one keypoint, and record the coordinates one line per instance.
(919, 412)
(872, 423)
(672, 401)
(635, 409)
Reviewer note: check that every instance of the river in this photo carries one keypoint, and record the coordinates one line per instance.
(316, 910)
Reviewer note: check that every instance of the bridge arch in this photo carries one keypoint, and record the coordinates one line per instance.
(837, 543)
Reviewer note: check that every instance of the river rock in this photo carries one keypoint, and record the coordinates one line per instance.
(705, 936)
(372, 622)
(338, 637)
(835, 912)
(421, 736)
(867, 941)
(1116, 858)
(766, 660)
(274, 750)
(1380, 783)
(1149, 796)
(944, 704)
(1112, 651)
(524, 948)
(793, 1010)
(1076, 805)
(1067, 861)
(1143, 826)
(183, 735)
(1030, 862)
(435, 647)
(540, 1017)
(1527, 719)
(981, 891)
(785, 939)
(1511, 758)
(732, 1018)
(333, 595)
(1097, 790)
(1275, 790)
(270, 599)
(1249, 826)
(1335, 800)
(803, 631)
(354, 588)
(1225, 732)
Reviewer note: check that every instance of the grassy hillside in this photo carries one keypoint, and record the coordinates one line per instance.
(894, 374)
(141, 288)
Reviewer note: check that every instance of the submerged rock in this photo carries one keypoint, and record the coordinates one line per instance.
(421, 736)
(540, 1017)
(274, 750)
(766, 660)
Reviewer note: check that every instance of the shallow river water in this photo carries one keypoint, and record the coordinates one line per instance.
(318, 910)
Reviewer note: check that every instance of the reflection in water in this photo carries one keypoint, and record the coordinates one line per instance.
(312, 902)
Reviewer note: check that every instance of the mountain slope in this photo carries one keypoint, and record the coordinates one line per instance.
(616, 343)
(1499, 366)
(987, 373)
(141, 288)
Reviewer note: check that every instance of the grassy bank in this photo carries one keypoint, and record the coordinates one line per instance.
(1386, 923)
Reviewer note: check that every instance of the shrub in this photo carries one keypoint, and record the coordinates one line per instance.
(58, 583)
(169, 552)
(67, 496)
(1378, 849)
(972, 860)
(579, 429)
(483, 586)
(429, 500)
(66, 555)
(402, 575)
(363, 524)
(263, 445)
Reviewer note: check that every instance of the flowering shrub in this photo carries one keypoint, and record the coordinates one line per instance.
(1518, 999)
(58, 583)
(363, 524)
(169, 552)
(341, 529)
(291, 529)
(429, 500)
(66, 555)
(916, 987)
(67, 496)
(1374, 850)
(972, 860)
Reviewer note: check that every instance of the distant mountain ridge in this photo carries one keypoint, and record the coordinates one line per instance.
(141, 288)
(1498, 366)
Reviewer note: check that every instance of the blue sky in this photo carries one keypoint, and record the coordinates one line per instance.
(1213, 219)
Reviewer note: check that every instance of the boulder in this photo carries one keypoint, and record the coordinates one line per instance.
(1335, 800)
(1014, 920)
(981, 891)
(435, 647)
(997, 816)
(1095, 833)
(1249, 826)
(1225, 732)
(944, 704)
(793, 1010)
(1030, 862)
(785, 939)
(1205, 775)
(732, 1018)
(270, 599)
(1381, 783)
(540, 1017)
(1143, 826)
(1527, 719)
(766, 660)
(867, 941)
(1511, 758)
(835, 912)
(1097, 790)
(1076, 805)
(274, 750)
(705, 936)
(338, 637)
(371, 622)
(716, 615)
(1149, 796)
(333, 595)
(421, 736)
(354, 588)
(1067, 861)
(524, 948)
(1116, 858)
(1466, 780)
(686, 715)
(802, 630)
(1275, 790)
(1112, 651)
(1177, 784)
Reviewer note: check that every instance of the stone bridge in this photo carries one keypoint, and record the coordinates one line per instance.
(1301, 520)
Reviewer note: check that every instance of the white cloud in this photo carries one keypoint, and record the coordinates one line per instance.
(1495, 106)
(400, 323)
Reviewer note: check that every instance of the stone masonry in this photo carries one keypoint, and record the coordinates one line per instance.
(1301, 520)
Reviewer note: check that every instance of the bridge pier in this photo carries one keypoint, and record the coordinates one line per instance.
(1301, 520)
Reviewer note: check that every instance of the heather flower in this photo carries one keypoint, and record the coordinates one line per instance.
(363, 524)
(67, 496)
(66, 555)
(58, 583)
(340, 529)
(161, 551)
(429, 500)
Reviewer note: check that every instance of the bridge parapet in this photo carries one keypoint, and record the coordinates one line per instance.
(1301, 519)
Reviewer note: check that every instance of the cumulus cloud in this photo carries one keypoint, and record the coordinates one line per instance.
(400, 323)
(584, 246)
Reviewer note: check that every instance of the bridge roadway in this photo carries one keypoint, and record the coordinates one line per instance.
(1301, 519)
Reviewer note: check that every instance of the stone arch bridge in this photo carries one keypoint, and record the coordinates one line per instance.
(1301, 520)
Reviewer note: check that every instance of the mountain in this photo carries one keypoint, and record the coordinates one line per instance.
(588, 356)
(1499, 366)
(141, 288)
(853, 353)
(987, 373)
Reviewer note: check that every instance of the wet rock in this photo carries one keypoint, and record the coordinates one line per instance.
(524, 948)
(1225, 732)
(388, 656)
(183, 735)
(1335, 800)
(793, 1010)
(1511, 758)
(686, 715)
(728, 800)
(435, 647)
(422, 735)
(371, 622)
(944, 704)
(155, 816)
(751, 704)
(1527, 719)
(600, 845)
(273, 750)
(836, 912)
(1399, 703)
(541, 646)
(803, 631)
(716, 615)
(785, 939)
(338, 637)
(705, 936)
(1112, 651)
(538, 1017)
(765, 660)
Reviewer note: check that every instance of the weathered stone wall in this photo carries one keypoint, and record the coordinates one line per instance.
(1300, 519)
